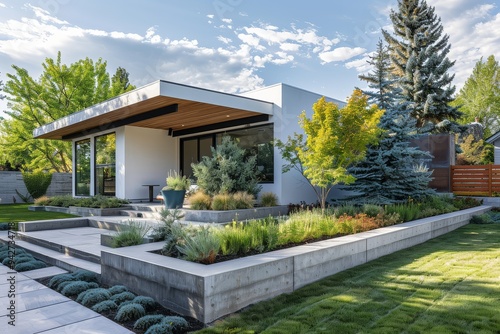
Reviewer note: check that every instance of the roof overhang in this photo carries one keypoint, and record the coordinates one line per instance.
(177, 108)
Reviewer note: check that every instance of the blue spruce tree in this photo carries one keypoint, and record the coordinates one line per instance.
(418, 51)
(394, 170)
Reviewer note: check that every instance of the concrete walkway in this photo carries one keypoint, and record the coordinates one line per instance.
(34, 308)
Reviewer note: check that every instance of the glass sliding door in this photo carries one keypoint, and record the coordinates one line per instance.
(82, 171)
(192, 151)
(105, 165)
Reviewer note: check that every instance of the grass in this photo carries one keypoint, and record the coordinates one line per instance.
(447, 285)
(20, 213)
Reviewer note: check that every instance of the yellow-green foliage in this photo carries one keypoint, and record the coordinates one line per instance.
(223, 201)
(200, 201)
(335, 139)
(268, 199)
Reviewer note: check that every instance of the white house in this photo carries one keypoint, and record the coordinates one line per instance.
(126, 145)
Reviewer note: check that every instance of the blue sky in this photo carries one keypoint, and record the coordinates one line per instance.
(231, 45)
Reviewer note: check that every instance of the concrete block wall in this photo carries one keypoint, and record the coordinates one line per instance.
(208, 292)
(10, 181)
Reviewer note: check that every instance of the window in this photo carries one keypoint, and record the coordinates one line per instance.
(105, 165)
(193, 150)
(256, 141)
(82, 172)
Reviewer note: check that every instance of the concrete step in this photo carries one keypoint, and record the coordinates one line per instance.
(147, 207)
(140, 214)
(54, 258)
(55, 246)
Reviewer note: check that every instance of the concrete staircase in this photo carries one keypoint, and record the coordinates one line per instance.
(71, 244)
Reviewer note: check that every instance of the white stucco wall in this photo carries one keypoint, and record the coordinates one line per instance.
(289, 102)
(151, 154)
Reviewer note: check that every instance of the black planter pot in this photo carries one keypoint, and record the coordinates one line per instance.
(173, 199)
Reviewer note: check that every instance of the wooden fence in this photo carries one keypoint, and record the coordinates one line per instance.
(478, 180)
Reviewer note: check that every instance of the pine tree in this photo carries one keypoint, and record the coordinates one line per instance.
(380, 80)
(393, 171)
(419, 52)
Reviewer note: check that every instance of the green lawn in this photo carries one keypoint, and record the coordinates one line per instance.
(450, 284)
(19, 213)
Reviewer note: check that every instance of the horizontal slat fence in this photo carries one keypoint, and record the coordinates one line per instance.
(477, 180)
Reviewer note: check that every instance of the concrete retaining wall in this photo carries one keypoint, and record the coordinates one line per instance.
(10, 181)
(211, 216)
(208, 292)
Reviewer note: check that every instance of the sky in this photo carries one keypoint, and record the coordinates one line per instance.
(231, 45)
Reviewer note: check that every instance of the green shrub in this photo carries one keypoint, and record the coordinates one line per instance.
(147, 302)
(203, 247)
(85, 275)
(481, 219)
(160, 328)
(347, 210)
(77, 287)
(462, 203)
(122, 297)
(177, 182)
(82, 294)
(200, 201)
(116, 289)
(175, 322)
(130, 312)
(30, 265)
(227, 170)
(268, 199)
(243, 200)
(130, 235)
(147, 321)
(223, 202)
(94, 296)
(56, 280)
(62, 285)
(17, 259)
(407, 211)
(37, 183)
(168, 219)
(105, 306)
(372, 210)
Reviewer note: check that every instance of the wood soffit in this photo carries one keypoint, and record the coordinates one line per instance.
(189, 115)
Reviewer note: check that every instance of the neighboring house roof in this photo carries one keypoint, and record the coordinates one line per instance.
(178, 108)
(493, 138)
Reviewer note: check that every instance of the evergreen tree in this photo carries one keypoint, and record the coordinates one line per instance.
(120, 83)
(381, 80)
(419, 52)
(393, 171)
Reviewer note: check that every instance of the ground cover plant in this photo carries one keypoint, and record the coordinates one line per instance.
(139, 314)
(213, 244)
(449, 284)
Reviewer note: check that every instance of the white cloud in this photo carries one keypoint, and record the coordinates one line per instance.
(228, 21)
(340, 54)
(211, 16)
(361, 65)
(224, 40)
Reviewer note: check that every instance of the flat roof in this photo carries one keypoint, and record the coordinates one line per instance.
(178, 108)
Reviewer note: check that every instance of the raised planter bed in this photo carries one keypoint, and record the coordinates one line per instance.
(208, 292)
(211, 216)
(81, 211)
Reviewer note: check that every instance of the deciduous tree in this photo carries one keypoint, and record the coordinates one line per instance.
(59, 91)
(335, 138)
(480, 96)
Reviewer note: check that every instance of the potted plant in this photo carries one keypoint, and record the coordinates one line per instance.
(175, 190)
